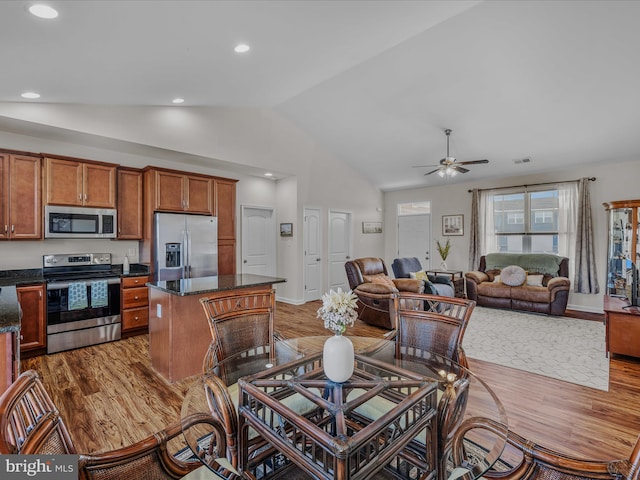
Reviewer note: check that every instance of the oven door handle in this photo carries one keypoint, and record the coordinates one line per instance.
(60, 285)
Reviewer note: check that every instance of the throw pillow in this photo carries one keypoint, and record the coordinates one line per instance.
(496, 279)
(534, 280)
(421, 275)
(492, 273)
(513, 275)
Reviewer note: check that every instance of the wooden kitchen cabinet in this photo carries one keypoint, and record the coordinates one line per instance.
(129, 204)
(20, 198)
(226, 212)
(135, 305)
(181, 192)
(9, 360)
(33, 329)
(79, 183)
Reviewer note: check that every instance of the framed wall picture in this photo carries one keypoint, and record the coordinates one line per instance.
(286, 229)
(453, 225)
(371, 227)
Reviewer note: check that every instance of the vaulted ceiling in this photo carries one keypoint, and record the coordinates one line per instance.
(376, 83)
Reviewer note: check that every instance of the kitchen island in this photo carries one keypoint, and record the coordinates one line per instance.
(179, 335)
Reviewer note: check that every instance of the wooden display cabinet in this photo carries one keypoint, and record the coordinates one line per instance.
(129, 204)
(80, 183)
(622, 315)
(20, 197)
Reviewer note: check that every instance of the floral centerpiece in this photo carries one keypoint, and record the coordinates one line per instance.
(338, 310)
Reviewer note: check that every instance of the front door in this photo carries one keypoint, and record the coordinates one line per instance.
(414, 238)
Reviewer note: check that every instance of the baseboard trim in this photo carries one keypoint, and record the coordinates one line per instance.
(584, 314)
(289, 300)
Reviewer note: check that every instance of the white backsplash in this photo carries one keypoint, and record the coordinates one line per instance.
(15, 255)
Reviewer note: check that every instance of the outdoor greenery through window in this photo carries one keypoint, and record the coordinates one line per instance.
(526, 222)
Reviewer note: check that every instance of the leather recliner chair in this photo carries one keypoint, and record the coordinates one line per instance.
(374, 292)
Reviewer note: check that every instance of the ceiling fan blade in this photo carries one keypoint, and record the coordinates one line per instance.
(424, 166)
(473, 162)
(432, 171)
(458, 168)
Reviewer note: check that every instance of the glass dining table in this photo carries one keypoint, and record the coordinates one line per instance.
(396, 417)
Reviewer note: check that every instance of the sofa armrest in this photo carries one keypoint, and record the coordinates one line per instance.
(409, 285)
(477, 276)
(374, 289)
(559, 283)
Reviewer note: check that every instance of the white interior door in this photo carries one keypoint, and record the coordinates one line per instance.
(258, 240)
(312, 254)
(414, 238)
(339, 248)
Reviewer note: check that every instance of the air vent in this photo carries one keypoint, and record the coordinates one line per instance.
(522, 160)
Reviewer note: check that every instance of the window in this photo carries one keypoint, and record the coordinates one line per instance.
(526, 222)
(414, 208)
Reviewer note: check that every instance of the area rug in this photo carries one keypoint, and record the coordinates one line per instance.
(568, 349)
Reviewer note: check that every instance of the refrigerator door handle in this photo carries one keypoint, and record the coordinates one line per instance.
(188, 254)
(185, 253)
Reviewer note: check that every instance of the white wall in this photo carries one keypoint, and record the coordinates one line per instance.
(613, 182)
(214, 141)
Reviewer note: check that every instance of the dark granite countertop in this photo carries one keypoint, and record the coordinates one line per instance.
(195, 286)
(9, 310)
(20, 277)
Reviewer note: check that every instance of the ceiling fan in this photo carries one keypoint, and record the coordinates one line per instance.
(448, 166)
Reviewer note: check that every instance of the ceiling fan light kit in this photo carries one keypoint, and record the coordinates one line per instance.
(448, 166)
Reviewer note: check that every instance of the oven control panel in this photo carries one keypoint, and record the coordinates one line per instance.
(76, 259)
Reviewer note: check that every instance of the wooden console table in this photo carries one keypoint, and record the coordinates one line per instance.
(622, 327)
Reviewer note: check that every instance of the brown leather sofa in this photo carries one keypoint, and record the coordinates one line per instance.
(375, 295)
(550, 298)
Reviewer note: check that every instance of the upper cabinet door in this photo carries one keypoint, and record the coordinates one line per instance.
(169, 194)
(20, 197)
(198, 195)
(25, 205)
(129, 204)
(64, 182)
(99, 186)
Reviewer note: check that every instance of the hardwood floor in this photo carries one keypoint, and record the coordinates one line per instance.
(109, 396)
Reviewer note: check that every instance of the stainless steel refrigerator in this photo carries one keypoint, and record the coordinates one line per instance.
(185, 246)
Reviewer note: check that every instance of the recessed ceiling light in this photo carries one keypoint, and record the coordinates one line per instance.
(30, 95)
(268, 174)
(178, 100)
(43, 11)
(242, 48)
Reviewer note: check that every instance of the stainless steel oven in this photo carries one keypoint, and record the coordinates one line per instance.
(83, 300)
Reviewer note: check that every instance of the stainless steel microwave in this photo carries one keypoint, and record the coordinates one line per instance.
(79, 222)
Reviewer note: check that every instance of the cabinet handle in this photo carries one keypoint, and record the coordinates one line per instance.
(85, 196)
(6, 228)
(21, 337)
(135, 281)
(80, 196)
(136, 318)
(12, 228)
(136, 297)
